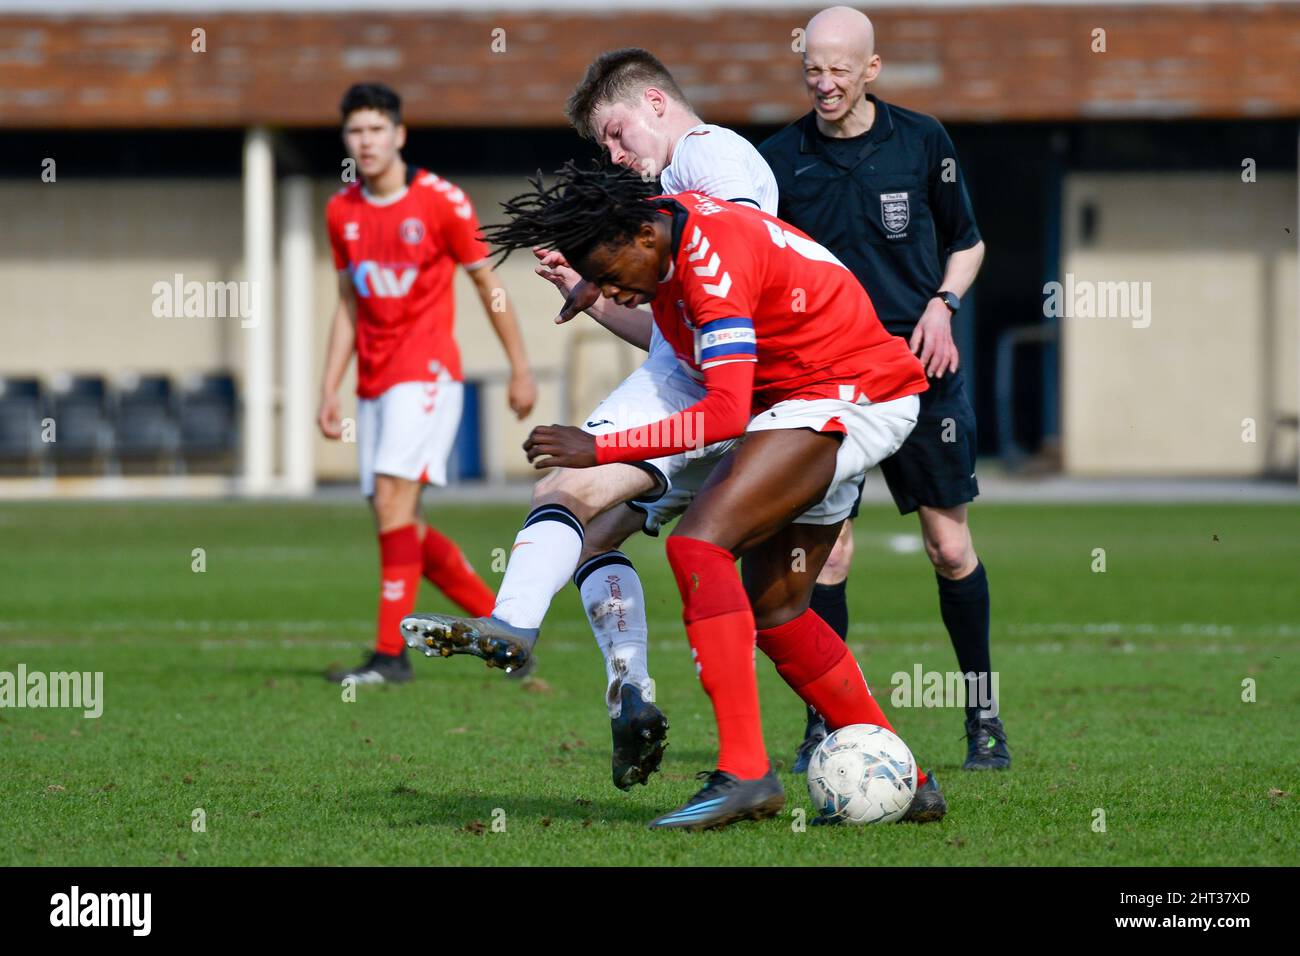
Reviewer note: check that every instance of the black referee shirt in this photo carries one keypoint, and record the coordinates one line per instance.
(891, 204)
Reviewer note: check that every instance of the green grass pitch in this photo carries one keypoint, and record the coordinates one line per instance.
(1122, 692)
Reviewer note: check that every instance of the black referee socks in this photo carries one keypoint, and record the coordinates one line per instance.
(964, 604)
(829, 604)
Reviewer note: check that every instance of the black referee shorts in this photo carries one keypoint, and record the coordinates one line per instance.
(936, 465)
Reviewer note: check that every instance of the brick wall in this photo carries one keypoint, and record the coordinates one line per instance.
(1017, 63)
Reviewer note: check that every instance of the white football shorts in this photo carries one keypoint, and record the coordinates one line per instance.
(872, 432)
(408, 431)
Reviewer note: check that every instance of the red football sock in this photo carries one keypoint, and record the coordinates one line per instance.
(812, 659)
(720, 627)
(447, 569)
(399, 559)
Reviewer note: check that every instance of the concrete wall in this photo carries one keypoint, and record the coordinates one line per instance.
(1170, 397)
(80, 260)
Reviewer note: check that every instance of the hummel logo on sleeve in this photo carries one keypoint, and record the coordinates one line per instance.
(696, 238)
(697, 249)
(719, 288)
(710, 269)
(453, 194)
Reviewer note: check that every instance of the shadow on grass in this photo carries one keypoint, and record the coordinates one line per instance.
(260, 673)
(407, 806)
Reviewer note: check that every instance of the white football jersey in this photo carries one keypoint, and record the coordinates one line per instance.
(720, 163)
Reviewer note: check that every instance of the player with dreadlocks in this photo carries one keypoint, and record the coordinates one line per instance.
(603, 203)
(629, 103)
(793, 358)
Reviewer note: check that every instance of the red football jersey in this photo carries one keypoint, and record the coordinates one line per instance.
(744, 286)
(401, 254)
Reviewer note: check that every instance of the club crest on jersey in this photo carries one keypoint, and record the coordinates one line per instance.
(895, 212)
(412, 231)
(351, 231)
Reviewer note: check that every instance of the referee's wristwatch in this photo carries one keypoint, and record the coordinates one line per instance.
(947, 298)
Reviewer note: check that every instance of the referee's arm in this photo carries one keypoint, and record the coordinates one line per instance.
(961, 245)
(954, 220)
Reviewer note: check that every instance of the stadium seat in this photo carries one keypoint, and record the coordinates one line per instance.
(208, 412)
(145, 429)
(219, 386)
(83, 434)
(21, 388)
(145, 388)
(22, 407)
(83, 387)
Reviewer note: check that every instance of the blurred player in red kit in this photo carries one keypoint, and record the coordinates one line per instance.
(397, 236)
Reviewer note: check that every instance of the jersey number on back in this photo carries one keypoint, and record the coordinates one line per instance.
(784, 239)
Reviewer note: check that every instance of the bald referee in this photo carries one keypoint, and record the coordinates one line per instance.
(880, 187)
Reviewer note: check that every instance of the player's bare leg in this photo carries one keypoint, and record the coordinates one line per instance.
(948, 543)
(964, 604)
(746, 508)
(838, 563)
(545, 555)
(589, 491)
(779, 589)
(396, 502)
(755, 491)
(779, 576)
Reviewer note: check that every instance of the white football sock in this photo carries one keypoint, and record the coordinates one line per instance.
(546, 552)
(615, 604)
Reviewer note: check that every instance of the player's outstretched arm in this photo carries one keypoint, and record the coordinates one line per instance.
(338, 354)
(522, 390)
(630, 325)
(722, 413)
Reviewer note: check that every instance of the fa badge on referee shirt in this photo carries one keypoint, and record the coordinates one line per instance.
(895, 212)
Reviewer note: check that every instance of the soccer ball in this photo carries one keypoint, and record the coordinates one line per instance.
(862, 774)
